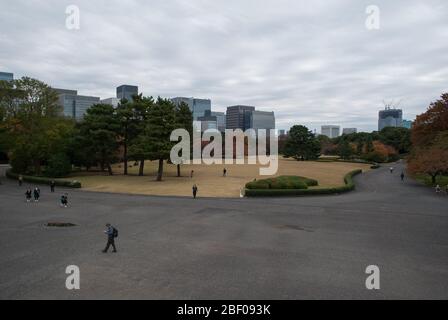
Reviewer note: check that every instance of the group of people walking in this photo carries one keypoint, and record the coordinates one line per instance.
(111, 232)
(35, 193)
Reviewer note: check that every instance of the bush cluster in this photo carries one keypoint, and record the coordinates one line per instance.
(44, 180)
(348, 186)
(281, 183)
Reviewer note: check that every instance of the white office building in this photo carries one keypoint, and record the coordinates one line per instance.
(330, 131)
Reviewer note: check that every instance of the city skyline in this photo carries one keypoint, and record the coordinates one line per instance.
(310, 64)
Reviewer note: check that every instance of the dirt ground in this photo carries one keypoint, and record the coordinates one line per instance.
(209, 179)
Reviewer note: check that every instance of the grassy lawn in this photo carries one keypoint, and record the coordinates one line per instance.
(209, 179)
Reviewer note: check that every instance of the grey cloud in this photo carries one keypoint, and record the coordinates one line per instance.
(313, 63)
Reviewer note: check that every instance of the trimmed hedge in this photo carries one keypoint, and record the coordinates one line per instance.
(43, 180)
(348, 186)
(282, 182)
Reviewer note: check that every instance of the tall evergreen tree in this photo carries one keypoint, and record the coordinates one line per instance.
(184, 120)
(100, 129)
(302, 144)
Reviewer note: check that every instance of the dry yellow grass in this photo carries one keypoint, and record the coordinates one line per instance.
(209, 179)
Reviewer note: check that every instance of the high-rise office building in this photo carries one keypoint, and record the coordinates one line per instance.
(236, 116)
(208, 121)
(220, 120)
(112, 101)
(259, 120)
(6, 76)
(197, 106)
(330, 131)
(126, 92)
(349, 130)
(390, 118)
(74, 105)
(408, 124)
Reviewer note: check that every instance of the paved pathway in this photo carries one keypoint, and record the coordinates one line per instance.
(180, 248)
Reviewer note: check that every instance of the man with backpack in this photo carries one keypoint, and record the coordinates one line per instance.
(112, 233)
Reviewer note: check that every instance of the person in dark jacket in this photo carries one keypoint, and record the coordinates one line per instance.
(36, 194)
(64, 200)
(110, 231)
(402, 176)
(195, 190)
(28, 195)
(52, 185)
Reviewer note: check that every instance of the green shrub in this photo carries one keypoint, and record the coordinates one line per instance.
(375, 157)
(20, 160)
(44, 180)
(58, 166)
(282, 182)
(348, 186)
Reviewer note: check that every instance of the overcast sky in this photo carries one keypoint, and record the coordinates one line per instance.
(312, 62)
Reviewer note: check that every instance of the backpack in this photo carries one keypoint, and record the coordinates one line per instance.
(115, 233)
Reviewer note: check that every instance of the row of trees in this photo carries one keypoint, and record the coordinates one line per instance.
(383, 146)
(34, 133)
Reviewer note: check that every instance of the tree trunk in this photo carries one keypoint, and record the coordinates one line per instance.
(160, 171)
(109, 169)
(178, 170)
(433, 178)
(37, 167)
(142, 166)
(125, 159)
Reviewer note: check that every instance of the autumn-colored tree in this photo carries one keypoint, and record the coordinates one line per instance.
(432, 161)
(429, 124)
(430, 141)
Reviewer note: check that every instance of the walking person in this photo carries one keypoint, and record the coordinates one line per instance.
(195, 190)
(224, 172)
(111, 233)
(20, 180)
(191, 173)
(402, 176)
(438, 189)
(28, 195)
(52, 185)
(391, 169)
(64, 200)
(36, 194)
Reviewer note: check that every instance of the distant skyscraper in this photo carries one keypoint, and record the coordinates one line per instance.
(390, 118)
(349, 130)
(112, 101)
(74, 105)
(330, 131)
(407, 124)
(259, 120)
(220, 120)
(208, 121)
(197, 106)
(281, 132)
(126, 92)
(236, 116)
(6, 76)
